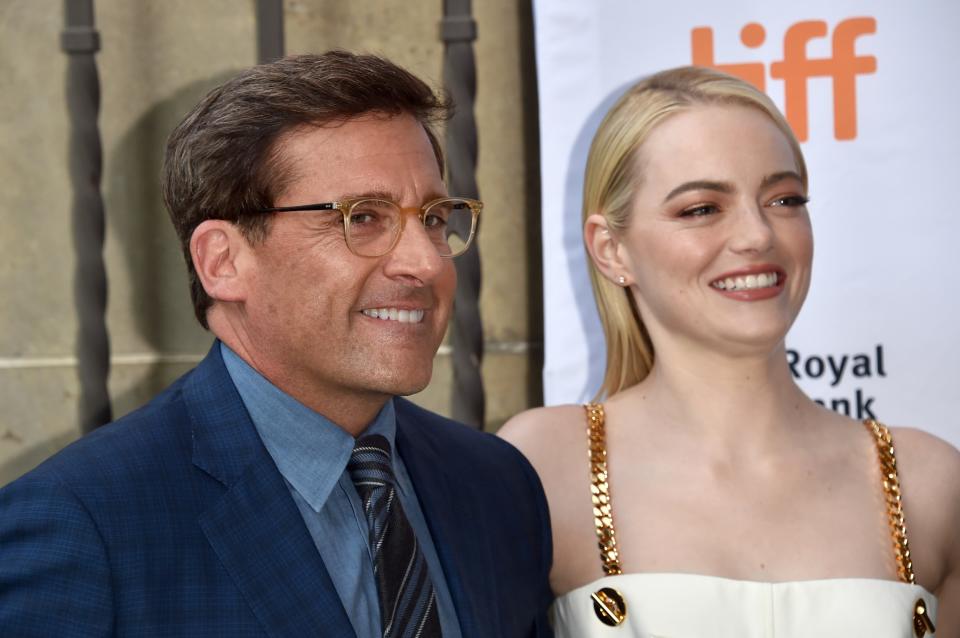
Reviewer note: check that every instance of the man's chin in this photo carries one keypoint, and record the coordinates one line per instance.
(414, 380)
(407, 388)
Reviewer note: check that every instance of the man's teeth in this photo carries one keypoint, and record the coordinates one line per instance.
(393, 314)
(748, 282)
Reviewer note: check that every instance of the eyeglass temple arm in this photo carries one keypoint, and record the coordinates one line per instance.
(302, 207)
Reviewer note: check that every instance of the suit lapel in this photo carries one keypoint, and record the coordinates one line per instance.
(455, 527)
(255, 528)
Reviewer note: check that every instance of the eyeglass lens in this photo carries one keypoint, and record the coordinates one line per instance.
(375, 224)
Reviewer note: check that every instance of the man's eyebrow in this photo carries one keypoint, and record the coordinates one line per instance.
(387, 195)
(699, 184)
(372, 194)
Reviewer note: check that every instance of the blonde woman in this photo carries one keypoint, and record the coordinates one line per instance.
(726, 503)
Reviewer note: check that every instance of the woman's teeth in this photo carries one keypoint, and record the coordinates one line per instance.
(393, 314)
(748, 282)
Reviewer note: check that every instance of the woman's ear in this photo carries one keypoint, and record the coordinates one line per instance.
(608, 254)
(217, 249)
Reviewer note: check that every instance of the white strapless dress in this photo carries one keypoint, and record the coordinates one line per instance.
(694, 606)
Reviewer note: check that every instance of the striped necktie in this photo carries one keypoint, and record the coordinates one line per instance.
(408, 603)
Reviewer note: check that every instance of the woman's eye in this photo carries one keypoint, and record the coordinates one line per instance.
(790, 201)
(700, 210)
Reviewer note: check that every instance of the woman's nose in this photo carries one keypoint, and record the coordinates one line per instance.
(751, 230)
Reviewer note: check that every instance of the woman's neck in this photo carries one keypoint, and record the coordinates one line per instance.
(733, 403)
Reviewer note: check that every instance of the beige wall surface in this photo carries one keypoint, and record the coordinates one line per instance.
(156, 60)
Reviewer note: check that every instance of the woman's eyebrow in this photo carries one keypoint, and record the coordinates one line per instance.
(773, 178)
(727, 187)
(699, 184)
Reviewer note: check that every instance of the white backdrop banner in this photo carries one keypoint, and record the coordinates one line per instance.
(872, 91)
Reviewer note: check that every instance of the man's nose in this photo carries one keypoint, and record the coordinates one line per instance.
(415, 257)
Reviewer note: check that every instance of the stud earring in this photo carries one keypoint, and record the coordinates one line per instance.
(621, 280)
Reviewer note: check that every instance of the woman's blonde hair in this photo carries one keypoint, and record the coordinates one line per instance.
(612, 176)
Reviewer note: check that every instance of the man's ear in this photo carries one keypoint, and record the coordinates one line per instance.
(218, 250)
(608, 254)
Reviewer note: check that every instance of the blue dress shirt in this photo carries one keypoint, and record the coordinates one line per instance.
(311, 453)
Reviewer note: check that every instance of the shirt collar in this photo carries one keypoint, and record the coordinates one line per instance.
(310, 451)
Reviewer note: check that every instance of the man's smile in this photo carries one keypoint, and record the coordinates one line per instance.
(402, 315)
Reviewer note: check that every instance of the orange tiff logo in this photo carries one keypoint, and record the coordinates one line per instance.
(796, 68)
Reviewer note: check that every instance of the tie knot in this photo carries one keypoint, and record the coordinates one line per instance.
(369, 464)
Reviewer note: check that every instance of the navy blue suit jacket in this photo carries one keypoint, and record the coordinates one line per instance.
(174, 521)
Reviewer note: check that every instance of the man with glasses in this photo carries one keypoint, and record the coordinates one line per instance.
(282, 487)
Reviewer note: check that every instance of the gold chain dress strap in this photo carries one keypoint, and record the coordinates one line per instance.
(600, 490)
(891, 488)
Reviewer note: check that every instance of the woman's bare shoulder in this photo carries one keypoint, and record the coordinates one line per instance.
(929, 472)
(928, 460)
(555, 441)
(546, 433)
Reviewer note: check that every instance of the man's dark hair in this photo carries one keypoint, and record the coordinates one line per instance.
(221, 162)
